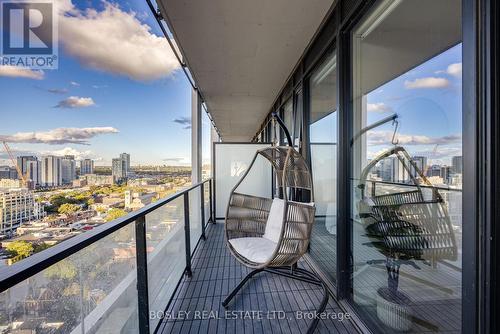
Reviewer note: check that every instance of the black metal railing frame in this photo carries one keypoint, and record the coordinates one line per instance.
(18, 272)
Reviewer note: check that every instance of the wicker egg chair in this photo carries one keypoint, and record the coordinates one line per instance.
(271, 235)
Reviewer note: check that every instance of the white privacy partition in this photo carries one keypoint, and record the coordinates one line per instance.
(231, 162)
(324, 166)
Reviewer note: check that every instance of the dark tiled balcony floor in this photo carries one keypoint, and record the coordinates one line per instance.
(216, 272)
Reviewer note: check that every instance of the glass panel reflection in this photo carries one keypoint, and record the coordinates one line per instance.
(323, 136)
(93, 290)
(406, 167)
(166, 254)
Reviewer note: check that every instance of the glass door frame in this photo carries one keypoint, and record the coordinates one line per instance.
(472, 189)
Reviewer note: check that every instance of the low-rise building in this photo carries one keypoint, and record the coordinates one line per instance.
(10, 183)
(97, 180)
(16, 208)
(137, 200)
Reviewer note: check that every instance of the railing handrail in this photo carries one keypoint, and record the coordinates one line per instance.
(412, 185)
(30, 266)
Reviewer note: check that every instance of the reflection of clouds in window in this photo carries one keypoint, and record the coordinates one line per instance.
(385, 137)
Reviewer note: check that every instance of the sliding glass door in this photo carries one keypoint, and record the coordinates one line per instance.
(406, 166)
(323, 146)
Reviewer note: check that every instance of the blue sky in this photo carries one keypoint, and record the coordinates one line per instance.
(147, 102)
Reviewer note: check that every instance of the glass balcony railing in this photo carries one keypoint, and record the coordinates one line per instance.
(109, 279)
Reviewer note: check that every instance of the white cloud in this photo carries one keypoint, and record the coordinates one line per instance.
(385, 137)
(79, 155)
(74, 83)
(454, 69)
(75, 102)
(19, 72)
(115, 41)
(378, 107)
(430, 82)
(59, 136)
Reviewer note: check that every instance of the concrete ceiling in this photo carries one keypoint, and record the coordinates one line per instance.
(412, 33)
(241, 52)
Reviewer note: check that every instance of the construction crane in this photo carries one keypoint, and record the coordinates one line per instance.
(20, 174)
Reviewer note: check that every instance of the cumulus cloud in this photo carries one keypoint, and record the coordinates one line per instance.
(184, 121)
(19, 72)
(430, 82)
(385, 137)
(58, 136)
(115, 41)
(75, 102)
(454, 69)
(378, 107)
(74, 83)
(79, 155)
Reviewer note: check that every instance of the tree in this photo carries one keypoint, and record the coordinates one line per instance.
(64, 269)
(114, 214)
(38, 247)
(100, 209)
(19, 250)
(68, 208)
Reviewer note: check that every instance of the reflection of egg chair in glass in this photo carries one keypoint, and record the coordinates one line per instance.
(271, 235)
(404, 226)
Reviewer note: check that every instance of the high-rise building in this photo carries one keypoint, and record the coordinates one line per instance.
(126, 159)
(393, 170)
(118, 170)
(17, 207)
(4, 172)
(7, 172)
(86, 166)
(34, 172)
(51, 171)
(121, 167)
(421, 163)
(446, 173)
(23, 161)
(68, 168)
(434, 170)
(457, 164)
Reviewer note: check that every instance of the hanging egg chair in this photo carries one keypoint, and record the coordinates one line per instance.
(272, 234)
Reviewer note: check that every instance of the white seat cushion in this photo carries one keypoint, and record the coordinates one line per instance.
(275, 220)
(257, 250)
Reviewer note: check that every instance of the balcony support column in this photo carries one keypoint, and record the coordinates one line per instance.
(187, 234)
(142, 274)
(196, 137)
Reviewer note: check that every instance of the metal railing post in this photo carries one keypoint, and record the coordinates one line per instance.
(187, 234)
(142, 274)
(212, 218)
(202, 197)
